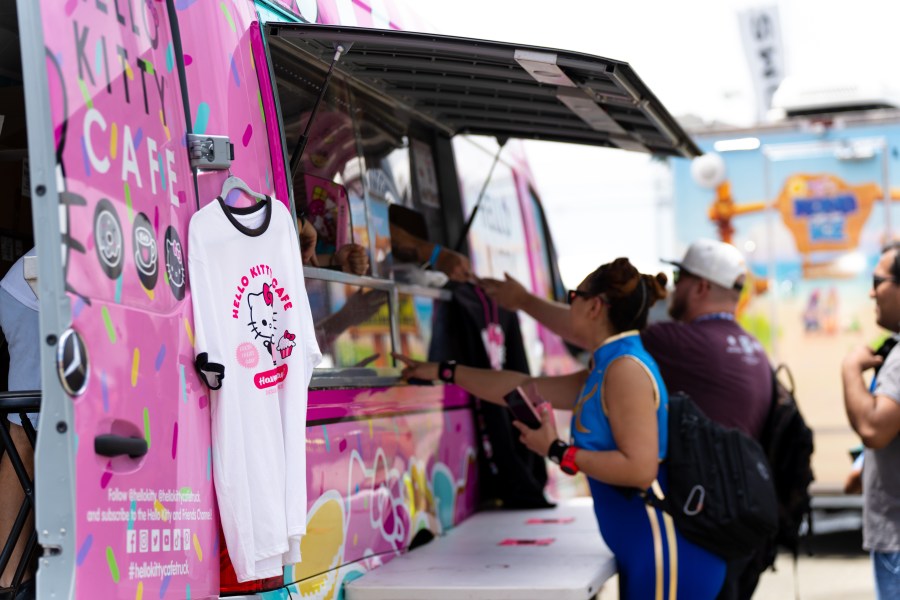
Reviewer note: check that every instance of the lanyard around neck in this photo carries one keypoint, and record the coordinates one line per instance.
(718, 316)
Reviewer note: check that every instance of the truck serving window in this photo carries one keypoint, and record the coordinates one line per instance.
(380, 141)
(328, 186)
(363, 156)
(352, 323)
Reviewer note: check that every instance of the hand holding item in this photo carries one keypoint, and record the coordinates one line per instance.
(539, 440)
(531, 391)
(414, 369)
(853, 483)
(508, 293)
(352, 258)
(862, 359)
(456, 266)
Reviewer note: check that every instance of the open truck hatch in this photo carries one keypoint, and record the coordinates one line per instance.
(503, 90)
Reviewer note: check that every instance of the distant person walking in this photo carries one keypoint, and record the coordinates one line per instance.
(874, 414)
(619, 431)
(704, 352)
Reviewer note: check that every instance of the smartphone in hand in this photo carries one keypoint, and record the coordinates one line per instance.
(522, 408)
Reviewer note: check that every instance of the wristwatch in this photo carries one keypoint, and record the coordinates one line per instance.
(563, 455)
(568, 465)
(447, 371)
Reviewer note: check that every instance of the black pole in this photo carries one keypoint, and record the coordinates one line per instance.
(304, 137)
(465, 232)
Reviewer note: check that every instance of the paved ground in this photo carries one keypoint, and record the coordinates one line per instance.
(837, 570)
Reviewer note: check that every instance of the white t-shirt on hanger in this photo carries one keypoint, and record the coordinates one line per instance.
(252, 316)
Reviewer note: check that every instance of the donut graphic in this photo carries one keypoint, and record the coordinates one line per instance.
(108, 239)
(146, 257)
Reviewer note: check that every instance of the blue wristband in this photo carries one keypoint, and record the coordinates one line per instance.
(432, 260)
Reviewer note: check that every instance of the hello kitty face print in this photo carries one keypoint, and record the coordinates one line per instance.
(265, 303)
(262, 317)
(175, 263)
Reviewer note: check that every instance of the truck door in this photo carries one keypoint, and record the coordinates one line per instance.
(123, 414)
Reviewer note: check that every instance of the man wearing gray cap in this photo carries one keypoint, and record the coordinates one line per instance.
(703, 352)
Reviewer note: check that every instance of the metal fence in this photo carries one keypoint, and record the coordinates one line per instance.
(21, 403)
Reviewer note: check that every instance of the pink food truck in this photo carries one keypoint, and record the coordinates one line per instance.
(122, 118)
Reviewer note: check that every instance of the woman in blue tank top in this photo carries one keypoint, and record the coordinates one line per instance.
(619, 433)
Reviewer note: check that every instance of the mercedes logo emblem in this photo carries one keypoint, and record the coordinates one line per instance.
(72, 363)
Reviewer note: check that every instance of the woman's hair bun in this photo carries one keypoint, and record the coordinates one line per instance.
(658, 284)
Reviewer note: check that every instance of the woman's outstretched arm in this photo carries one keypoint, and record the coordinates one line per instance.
(562, 392)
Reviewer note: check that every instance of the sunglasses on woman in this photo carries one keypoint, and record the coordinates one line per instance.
(877, 280)
(572, 294)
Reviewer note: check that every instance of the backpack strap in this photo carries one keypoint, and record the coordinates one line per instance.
(781, 368)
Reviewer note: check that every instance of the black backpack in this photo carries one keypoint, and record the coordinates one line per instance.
(788, 443)
(721, 493)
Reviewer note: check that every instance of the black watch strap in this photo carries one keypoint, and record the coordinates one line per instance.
(556, 451)
(447, 371)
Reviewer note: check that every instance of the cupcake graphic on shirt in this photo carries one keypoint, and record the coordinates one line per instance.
(286, 344)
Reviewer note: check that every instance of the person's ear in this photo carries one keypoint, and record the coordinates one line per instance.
(703, 287)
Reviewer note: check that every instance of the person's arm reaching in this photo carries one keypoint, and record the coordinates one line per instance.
(562, 392)
(410, 248)
(512, 295)
(874, 417)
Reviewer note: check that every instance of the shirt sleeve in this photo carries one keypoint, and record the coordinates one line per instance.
(887, 382)
(311, 352)
(662, 338)
(208, 358)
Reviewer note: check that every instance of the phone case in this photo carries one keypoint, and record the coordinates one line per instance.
(522, 409)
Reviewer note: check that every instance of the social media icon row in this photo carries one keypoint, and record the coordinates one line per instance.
(156, 540)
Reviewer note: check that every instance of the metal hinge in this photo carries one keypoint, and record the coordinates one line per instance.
(210, 151)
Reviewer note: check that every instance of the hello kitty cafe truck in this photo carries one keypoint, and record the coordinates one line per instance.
(137, 111)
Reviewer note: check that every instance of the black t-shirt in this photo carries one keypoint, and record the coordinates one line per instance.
(719, 365)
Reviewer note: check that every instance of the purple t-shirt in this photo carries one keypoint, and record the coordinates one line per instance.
(720, 366)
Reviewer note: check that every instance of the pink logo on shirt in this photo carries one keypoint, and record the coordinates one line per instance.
(267, 379)
(247, 355)
(286, 344)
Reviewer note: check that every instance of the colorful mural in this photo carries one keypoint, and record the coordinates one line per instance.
(378, 483)
(811, 223)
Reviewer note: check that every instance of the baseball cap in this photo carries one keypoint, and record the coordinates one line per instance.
(714, 261)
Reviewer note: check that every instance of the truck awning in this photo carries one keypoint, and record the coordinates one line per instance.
(462, 85)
